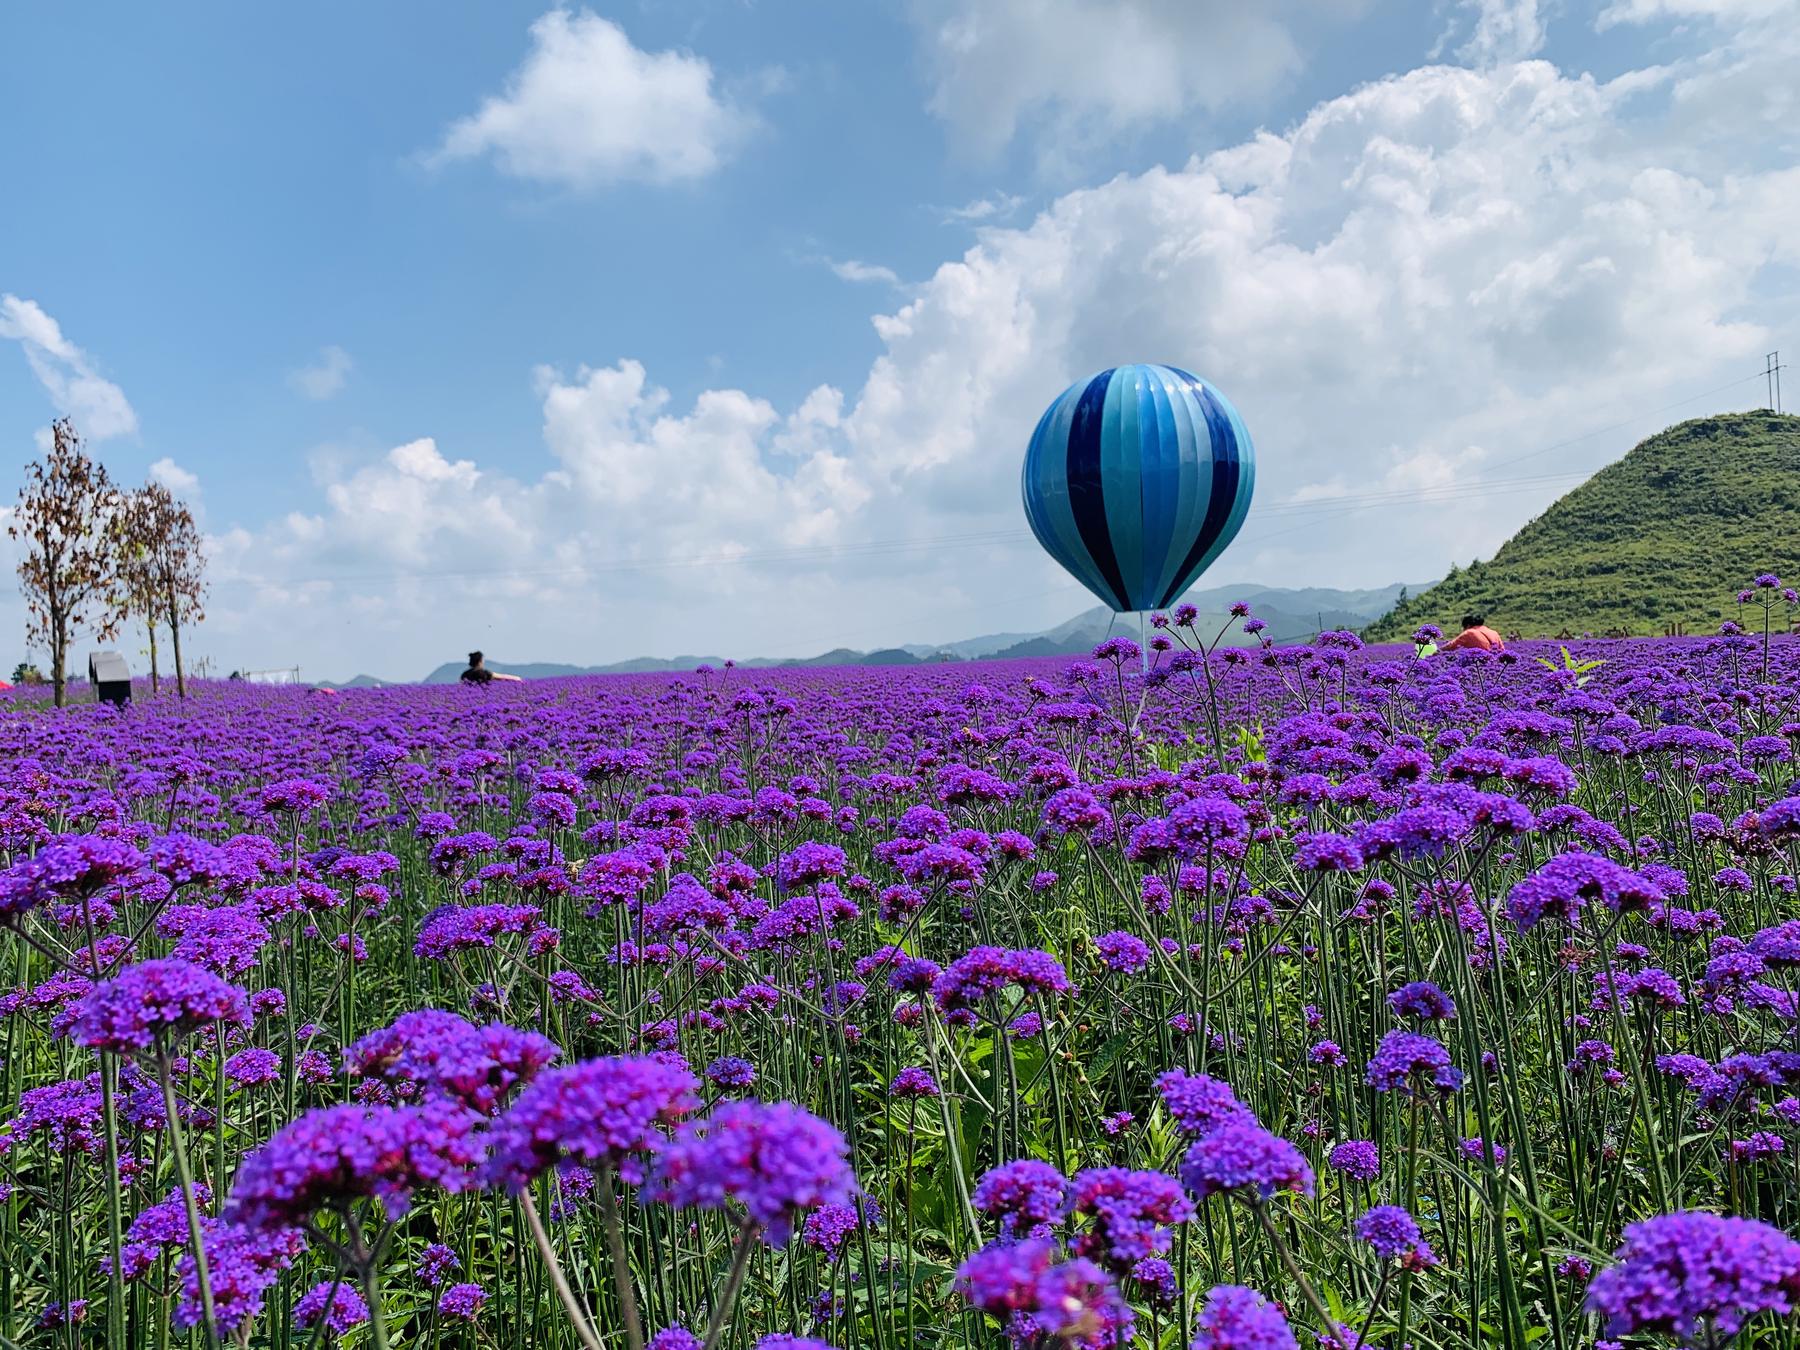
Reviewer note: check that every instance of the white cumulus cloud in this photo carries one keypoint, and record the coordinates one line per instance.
(998, 206)
(172, 476)
(852, 269)
(1504, 30)
(1649, 11)
(325, 377)
(587, 108)
(1410, 294)
(1096, 67)
(68, 374)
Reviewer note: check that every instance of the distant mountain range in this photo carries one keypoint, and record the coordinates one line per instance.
(1292, 615)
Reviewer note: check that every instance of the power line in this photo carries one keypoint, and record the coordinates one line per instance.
(807, 553)
(1305, 511)
(1474, 486)
(1356, 504)
(1635, 417)
(1069, 586)
(1489, 490)
(1322, 507)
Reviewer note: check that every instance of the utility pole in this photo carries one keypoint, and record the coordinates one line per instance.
(1772, 374)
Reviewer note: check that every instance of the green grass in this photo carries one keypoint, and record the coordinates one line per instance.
(1665, 536)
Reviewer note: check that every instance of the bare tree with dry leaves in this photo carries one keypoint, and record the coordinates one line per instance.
(178, 568)
(162, 567)
(138, 589)
(68, 573)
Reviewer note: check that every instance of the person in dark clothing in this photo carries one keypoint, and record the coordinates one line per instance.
(478, 673)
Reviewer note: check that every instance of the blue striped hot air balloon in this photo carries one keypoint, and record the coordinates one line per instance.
(1136, 480)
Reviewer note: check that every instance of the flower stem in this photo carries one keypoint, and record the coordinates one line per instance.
(115, 1281)
(570, 1305)
(186, 1177)
(1293, 1268)
(370, 1274)
(615, 1241)
(734, 1283)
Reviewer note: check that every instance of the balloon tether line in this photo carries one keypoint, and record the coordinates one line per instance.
(1143, 673)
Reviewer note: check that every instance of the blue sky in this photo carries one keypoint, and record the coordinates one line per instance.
(720, 326)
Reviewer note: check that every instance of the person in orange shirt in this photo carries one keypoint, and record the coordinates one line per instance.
(1475, 636)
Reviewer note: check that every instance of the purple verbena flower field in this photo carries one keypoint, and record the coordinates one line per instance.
(1292, 996)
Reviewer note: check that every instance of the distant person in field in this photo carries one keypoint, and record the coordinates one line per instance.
(478, 673)
(1475, 636)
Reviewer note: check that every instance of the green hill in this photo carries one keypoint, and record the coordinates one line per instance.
(1667, 535)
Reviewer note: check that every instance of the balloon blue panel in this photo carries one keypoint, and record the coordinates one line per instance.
(1136, 480)
(1222, 435)
(1121, 474)
(1162, 483)
(1193, 487)
(1087, 490)
(1246, 482)
(1046, 493)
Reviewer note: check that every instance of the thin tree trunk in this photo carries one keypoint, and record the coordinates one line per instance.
(175, 641)
(59, 648)
(150, 627)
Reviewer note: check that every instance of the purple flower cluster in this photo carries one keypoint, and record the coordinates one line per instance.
(69, 868)
(1122, 952)
(731, 1071)
(982, 972)
(1422, 1001)
(1356, 1158)
(1200, 1104)
(1130, 1215)
(438, 1054)
(1393, 1234)
(1410, 1063)
(456, 928)
(1691, 1275)
(601, 1112)
(253, 1067)
(339, 1154)
(1236, 1318)
(227, 940)
(243, 1264)
(436, 1263)
(155, 1002)
(295, 796)
(913, 1084)
(1241, 1156)
(774, 1160)
(1072, 1303)
(65, 1115)
(1565, 885)
(1028, 1197)
(156, 1231)
(461, 1302)
(336, 1303)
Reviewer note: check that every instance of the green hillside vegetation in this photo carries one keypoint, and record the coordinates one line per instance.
(1668, 535)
